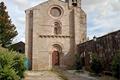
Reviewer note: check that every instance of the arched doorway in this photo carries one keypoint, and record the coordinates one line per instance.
(55, 58)
(57, 50)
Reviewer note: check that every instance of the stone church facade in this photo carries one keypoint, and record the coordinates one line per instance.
(53, 30)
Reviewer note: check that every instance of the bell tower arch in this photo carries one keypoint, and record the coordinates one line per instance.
(74, 3)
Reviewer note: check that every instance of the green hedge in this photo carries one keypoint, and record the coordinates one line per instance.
(11, 65)
(78, 62)
(96, 65)
(116, 65)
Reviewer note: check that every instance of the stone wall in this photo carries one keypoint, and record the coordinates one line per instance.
(105, 47)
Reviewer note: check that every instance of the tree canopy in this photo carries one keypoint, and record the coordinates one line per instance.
(7, 29)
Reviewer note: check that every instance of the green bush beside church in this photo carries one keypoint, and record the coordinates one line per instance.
(11, 65)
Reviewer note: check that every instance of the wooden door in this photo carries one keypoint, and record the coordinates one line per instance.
(55, 58)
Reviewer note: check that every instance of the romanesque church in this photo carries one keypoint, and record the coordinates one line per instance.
(53, 30)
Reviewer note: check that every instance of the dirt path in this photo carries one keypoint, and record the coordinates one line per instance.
(41, 75)
(72, 76)
(58, 74)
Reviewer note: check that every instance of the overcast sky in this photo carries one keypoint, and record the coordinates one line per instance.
(103, 16)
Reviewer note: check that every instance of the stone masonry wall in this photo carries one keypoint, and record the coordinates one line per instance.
(105, 47)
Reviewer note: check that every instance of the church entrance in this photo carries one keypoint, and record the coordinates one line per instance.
(56, 54)
(55, 58)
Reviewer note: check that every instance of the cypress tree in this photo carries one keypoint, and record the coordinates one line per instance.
(7, 29)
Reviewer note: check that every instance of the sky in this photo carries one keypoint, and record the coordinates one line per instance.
(103, 16)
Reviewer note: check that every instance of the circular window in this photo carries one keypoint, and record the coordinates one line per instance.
(55, 12)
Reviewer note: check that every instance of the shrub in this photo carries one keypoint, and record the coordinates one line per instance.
(19, 64)
(116, 65)
(11, 65)
(96, 65)
(78, 62)
(8, 73)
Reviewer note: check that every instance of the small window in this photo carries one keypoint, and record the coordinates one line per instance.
(57, 28)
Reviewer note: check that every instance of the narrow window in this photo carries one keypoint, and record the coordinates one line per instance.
(57, 28)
